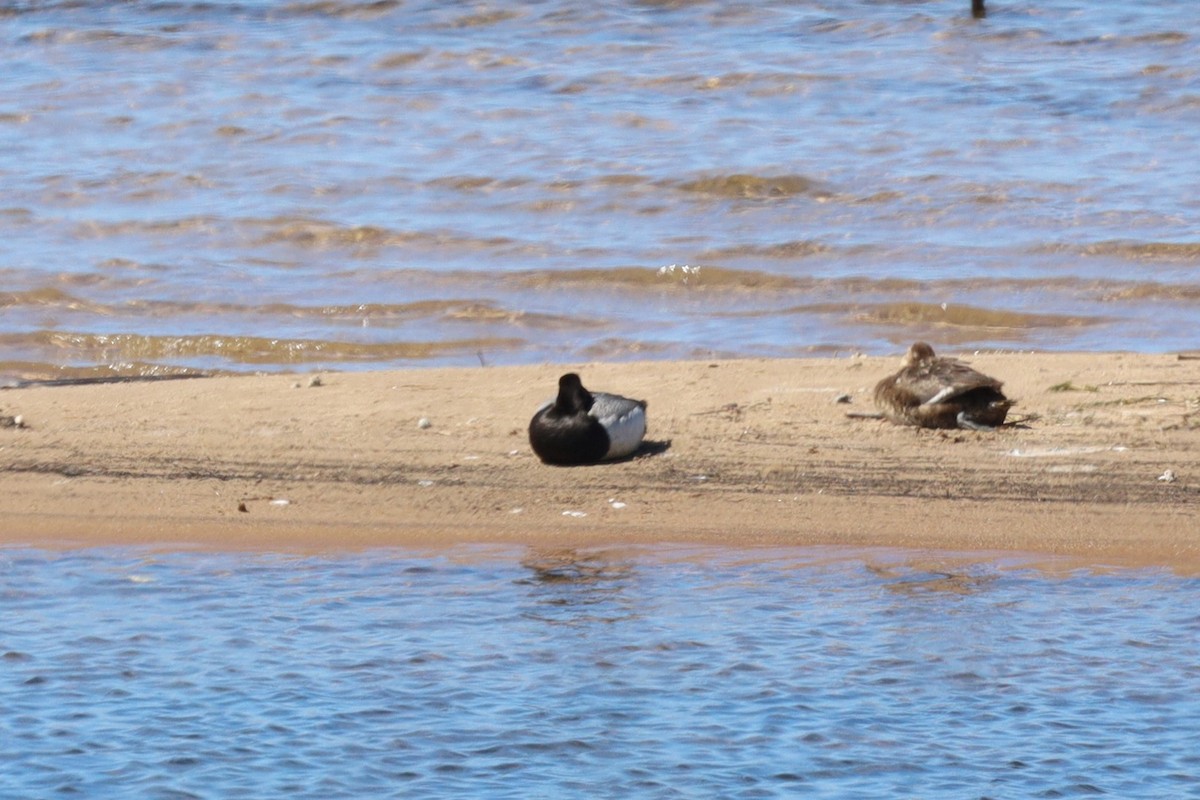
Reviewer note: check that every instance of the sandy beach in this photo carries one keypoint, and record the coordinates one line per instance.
(1106, 467)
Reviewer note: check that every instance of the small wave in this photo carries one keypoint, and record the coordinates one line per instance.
(617, 348)
(461, 310)
(1145, 251)
(736, 186)
(753, 84)
(306, 233)
(968, 321)
(1157, 38)
(400, 60)
(320, 234)
(49, 296)
(965, 316)
(783, 250)
(667, 277)
(483, 18)
(16, 214)
(143, 186)
(140, 180)
(486, 183)
(249, 350)
(341, 9)
(17, 373)
(484, 311)
(97, 229)
(1149, 291)
(1135, 251)
(755, 187)
(133, 41)
(489, 312)
(475, 183)
(700, 277)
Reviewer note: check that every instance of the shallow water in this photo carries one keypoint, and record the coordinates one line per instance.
(266, 185)
(650, 672)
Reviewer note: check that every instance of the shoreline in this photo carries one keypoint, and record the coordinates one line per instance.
(747, 453)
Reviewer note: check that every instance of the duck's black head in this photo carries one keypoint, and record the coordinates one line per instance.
(572, 397)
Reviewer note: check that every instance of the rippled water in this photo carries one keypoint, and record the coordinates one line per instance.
(265, 185)
(657, 672)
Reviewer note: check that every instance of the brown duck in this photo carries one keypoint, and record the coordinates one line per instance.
(933, 392)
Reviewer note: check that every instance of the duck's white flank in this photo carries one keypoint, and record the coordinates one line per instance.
(624, 419)
(949, 391)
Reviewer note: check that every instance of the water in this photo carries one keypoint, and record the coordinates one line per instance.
(338, 184)
(647, 673)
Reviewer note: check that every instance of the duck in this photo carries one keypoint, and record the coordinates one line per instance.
(935, 392)
(582, 427)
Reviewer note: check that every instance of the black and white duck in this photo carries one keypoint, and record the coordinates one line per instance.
(582, 427)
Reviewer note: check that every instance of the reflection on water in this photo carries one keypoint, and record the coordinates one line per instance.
(575, 570)
(916, 579)
(574, 587)
(645, 672)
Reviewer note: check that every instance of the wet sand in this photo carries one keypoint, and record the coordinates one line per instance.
(743, 453)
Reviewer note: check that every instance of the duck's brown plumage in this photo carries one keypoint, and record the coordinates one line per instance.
(933, 392)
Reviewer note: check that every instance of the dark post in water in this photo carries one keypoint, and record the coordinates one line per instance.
(977, 9)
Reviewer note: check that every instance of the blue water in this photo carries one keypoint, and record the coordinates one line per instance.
(345, 184)
(644, 673)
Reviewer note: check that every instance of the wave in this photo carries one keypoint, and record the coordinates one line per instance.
(801, 248)
(670, 277)
(1131, 250)
(121, 348)
(50, 297)
(719, 186)
(966, 316)
(756, 187)
(700, 277)
(192, 224)
(1156, 38)
(375, 313)
(929, 315)
(320, 234)
(772, 83)
(1149, 291)
(481, 18)
(17, 373)
(683, 277)
(307, 233)
(124, 39)
(735, 186)
(465, 310)
(340, 8)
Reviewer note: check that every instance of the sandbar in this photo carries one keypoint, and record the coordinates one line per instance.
(1103, 466)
